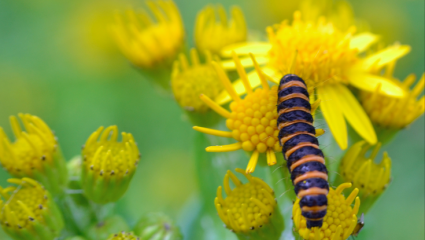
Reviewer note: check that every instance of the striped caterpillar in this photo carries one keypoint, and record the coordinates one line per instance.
(300, 148)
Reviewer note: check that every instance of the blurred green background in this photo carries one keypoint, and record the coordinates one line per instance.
(57, 62)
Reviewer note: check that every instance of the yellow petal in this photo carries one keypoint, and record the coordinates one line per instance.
(354, 113)
(245, 61)
(362, 41)
(385, 56)
(254, 81)
(256, 48)
(369, 82)
(333, 114)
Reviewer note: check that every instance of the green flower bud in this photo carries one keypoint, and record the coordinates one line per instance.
(34, 154)
(108, 165)
(157, 226)
(28, 211)
(103, 229)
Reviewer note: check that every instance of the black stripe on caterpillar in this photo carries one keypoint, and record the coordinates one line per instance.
(300, 148)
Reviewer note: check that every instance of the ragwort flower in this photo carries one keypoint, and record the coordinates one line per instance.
(249, 208)
(395, 113)
(108, 165)
(252, 120)
(190, 81)
(29, 212)
(212, 35)
(148, 43)
(340, 219)
(35, 153)
(328, 60)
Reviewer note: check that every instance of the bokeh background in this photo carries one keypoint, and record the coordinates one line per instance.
(57, 62)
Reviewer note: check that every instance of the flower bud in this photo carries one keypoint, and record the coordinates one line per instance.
(29, 212)
(108, 165)
(35, 153)
(249, 209)
(340, 219)
(156, 226)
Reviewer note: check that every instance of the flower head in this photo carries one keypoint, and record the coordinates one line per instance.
(371, 178)
(395, 113)
(148, 43)
(340, 219)
(248, 207)
(190, 81)
(212, 34)
(327, 59)
(123, 236)
(28, 211)
(35, 153)
(252, 120)
(108, 165)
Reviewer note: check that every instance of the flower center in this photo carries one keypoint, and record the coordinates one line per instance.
(253, 120)
(322, 52)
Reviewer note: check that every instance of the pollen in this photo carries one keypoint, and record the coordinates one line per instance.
(190, 81)
(123, 236)
(148, 42)
(321, 52)
(248, 206)
(340, 219)
(105, 157)
(362, 171)
(395, 113)
(23, 204)
(32, 149)
(212, 34)
(253, 121)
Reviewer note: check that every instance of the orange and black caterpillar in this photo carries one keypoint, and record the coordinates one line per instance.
(300, 148)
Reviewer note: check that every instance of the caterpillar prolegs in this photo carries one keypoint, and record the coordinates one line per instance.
(300, 149)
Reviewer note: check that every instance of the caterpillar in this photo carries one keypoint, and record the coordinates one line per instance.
(300, 148)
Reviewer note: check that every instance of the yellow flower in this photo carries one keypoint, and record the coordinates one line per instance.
(252, 120)
(123, 236)
(29, 212)
(35, 153)
(148, 43)
(340, 219)
(328, 60)
(248, 207)
(395, 113)
(371, 178)
(212, 35)
(188, 82)
(108, 165)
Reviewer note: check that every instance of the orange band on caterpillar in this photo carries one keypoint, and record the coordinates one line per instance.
(300, 149)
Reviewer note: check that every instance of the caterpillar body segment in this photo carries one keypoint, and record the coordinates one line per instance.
(300, 148)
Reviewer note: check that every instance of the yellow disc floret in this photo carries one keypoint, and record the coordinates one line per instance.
(395, 113)
(32, 150)
(371, 178)
(212, 34)
(253, 121)
(248, 206)
(123, 236)
(190, 81)
(340, 219)
(148, 43)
